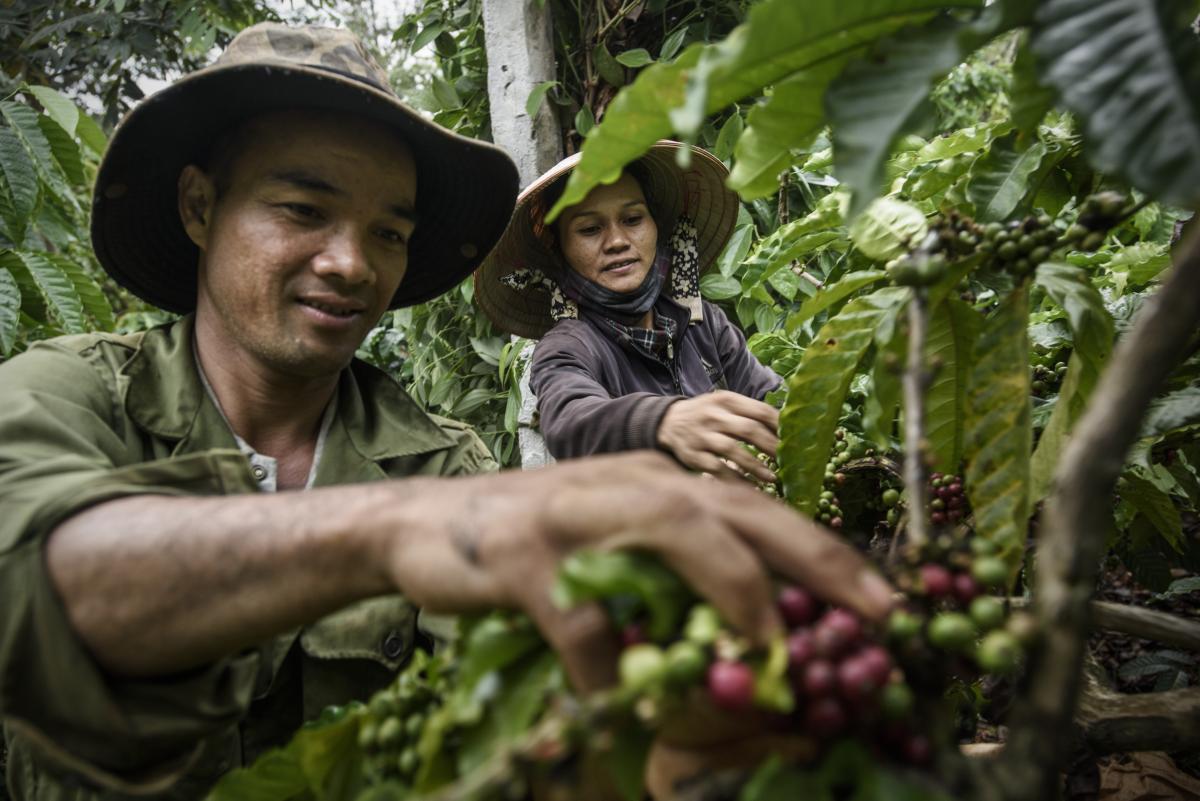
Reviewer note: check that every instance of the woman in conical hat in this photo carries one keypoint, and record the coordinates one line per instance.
(630, 356)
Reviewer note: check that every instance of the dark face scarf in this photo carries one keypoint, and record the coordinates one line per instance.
(625, 307)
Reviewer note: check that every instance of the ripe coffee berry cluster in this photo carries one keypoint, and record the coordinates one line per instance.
(1022, 245)
(845, 682)
(951, 611)
(947, 501)
(397, 715)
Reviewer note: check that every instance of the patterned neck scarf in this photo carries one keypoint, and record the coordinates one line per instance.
(679, 281)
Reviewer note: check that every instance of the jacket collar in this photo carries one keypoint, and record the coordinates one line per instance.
(166, 398)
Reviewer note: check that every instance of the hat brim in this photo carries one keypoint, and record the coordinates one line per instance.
(698, 192)
(465, 188)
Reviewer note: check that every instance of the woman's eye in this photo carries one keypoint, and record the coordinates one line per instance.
(634, 220)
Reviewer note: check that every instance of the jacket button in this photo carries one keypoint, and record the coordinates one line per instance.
(259, 472)
(393, 645)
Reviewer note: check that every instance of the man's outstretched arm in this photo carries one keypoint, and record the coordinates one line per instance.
(155, 585)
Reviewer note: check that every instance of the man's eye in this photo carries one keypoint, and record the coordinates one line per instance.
(302, 210)
(393, 236)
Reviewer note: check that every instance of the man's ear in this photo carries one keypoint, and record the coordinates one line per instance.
(197, 197)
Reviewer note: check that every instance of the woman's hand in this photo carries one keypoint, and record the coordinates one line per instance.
(706, 433)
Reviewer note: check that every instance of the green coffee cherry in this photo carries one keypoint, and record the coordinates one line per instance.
(952, 631)
(686, 663)
(903, 625)
(368, 736)
(703, 625)
(391, 732)
(890, 497)
(641, 666)
(896, 701)
(999, 652)
(990, 571)
(987, 612)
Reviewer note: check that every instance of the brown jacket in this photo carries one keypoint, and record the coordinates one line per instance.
(598, 396)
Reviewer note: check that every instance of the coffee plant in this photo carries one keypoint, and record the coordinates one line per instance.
(991, 383)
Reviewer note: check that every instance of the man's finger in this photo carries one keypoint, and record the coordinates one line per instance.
(804, 552)
(583, 636)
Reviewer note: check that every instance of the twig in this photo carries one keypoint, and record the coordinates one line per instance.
(620, 15)
(915, 380)
(1146, 624)
(1073, 526)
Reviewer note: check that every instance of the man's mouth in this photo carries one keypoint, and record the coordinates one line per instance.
(343, 310)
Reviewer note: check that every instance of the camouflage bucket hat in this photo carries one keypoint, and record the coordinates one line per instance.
(466, 189)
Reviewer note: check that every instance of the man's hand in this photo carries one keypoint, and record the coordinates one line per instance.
(505, 535)
(706, 433)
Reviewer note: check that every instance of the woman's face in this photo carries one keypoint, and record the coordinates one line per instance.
(610, 237)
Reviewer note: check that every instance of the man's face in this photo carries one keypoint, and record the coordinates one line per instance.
(304, 241)
(609, 237)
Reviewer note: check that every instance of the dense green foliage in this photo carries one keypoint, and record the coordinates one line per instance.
(889, 153)
(1029, 236)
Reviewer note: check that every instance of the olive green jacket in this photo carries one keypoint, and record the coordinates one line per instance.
(85, 419)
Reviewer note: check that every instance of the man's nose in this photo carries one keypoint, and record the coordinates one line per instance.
(344, 257)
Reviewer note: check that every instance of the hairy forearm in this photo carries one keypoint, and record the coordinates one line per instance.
(155, 585)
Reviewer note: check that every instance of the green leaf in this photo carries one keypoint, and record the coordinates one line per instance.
(608, 67)
(731, 130)
(91, 134)
(888, 228)
(626, 762)
(58, 289)
(57, 107)
(965, 140)
(1141, 261)
(523, 690)
(445, 93)
(1154, 504)
(1092, 335)
(10, 312)
(735, 250)
(779, 38)
(998, 434)
(1031, 100)
(1130, 70)
(493, 643)
(815, 395)
(715, 286)
(1183, 586)
(427, 35)
(595, 575)
(1173, 411)
(638, 57)
(21, 184)
(534, 101)
(831, 295)
(584, 121)
(877, 99)
(65, 151)
(90, 293)
(780, 129)
(672, 44)
(321, 761)
(776, 781)
(1000, 179)
(882, 403)
(23, 121)
(953, 328)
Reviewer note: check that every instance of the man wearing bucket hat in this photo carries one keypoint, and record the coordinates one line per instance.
(630, 356)
(166, 614)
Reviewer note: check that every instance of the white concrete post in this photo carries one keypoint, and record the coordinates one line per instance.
(520, 55)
